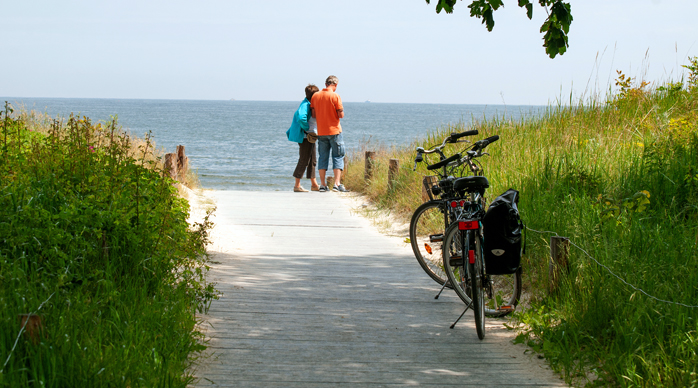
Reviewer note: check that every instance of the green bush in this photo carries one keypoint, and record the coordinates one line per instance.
(96, 242)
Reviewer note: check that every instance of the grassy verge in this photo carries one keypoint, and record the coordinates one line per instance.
(620, 179)
(95, 242)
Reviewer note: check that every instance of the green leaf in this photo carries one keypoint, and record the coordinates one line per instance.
(446, 5)
(495, 4)
(555, 27)
(476, 8)
(488, 19)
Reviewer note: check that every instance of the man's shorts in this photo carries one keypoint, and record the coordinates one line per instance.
(334, 143)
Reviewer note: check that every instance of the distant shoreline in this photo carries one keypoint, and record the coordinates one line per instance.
(12, 100)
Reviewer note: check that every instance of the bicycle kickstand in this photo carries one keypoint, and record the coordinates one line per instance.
(446, 283)
(461, 316)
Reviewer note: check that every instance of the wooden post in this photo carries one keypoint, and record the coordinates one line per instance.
(171, 165)
(368, 168)
(33, 326)
(105, 246)
(182, 163)
(393, 168)
(559, 261)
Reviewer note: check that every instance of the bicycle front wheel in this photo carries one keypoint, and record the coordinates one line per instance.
(503, 295)
(426, 237)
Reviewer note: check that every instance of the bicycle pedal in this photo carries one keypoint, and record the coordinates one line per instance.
(506, 308)
(436, 238)
(456, 261)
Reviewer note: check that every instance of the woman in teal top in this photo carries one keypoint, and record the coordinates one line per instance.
(307, 160)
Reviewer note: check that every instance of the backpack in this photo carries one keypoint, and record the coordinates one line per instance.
(502, 228)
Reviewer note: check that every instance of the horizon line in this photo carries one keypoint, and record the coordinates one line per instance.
(242, 100)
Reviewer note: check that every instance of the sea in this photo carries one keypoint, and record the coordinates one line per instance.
(242, 145)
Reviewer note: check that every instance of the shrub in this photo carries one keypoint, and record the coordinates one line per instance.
(95, 241)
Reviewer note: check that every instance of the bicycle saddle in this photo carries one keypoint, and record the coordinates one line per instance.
(471, 183)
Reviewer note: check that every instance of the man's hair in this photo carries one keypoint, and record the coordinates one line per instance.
(331, 80)
(310, 90)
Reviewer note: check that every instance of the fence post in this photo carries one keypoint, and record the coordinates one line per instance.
(182, 163)
(171, 165)
(33, 327)
(368, 169)
(559, 261)
(392, 172)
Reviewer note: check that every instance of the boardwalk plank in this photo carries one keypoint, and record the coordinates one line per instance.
(313, 296)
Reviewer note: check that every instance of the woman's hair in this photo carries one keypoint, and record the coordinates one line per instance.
(310, 90)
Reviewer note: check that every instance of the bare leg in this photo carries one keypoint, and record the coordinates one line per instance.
(337, 176)
(322, 177)
(298, 182)
(313, 182)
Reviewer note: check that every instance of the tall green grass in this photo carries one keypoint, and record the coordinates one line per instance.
(620, 179)
(96, 242)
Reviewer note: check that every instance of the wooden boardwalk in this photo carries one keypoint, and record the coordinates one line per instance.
(314, 296)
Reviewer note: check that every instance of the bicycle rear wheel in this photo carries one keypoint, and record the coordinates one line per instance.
(454, 263)
(462, 274)
(426, 238)
(478, 278)
(501, 292)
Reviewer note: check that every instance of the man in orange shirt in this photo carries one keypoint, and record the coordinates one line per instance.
(326, 107)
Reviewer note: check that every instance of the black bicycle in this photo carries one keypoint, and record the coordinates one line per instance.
(430, 220)
(463, 256)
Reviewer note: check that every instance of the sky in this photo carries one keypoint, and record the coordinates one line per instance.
(381, 50)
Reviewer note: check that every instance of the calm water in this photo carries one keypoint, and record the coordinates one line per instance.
(243, 145)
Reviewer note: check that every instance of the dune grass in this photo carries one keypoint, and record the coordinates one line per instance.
(95, 242)
(620, 179)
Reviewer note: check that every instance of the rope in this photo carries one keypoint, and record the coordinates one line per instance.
(22, 330)
(538, 231)
(616, 276)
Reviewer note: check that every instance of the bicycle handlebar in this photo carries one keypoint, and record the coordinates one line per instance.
(443, 162)
(452, 138)
(481, 144)
(455, 136)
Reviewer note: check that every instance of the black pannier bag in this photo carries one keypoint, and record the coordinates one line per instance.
(502, 229)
